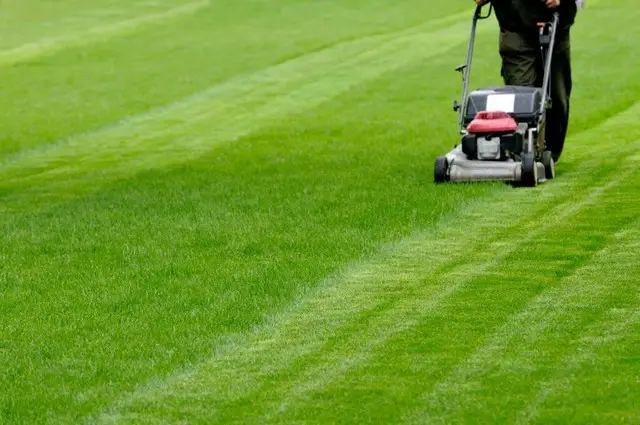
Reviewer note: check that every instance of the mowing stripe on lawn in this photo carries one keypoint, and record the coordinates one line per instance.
(285, 391)
(603, 334)
(37, 49)
(372, 301)
(421, 302)
(521, 346)
(451, 276)
(224, 113)
(85, 89)
(618, 332)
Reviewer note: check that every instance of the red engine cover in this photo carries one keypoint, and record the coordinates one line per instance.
(492, 122)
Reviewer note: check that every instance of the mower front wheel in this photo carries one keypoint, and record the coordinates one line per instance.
(549, 165)
(440, 169)
(529, 171)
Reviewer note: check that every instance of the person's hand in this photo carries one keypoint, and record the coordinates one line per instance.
(481, 2)
(552, 3)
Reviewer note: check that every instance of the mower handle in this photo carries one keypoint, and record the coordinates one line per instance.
(465, 69)
(479, 9)
(551, 37)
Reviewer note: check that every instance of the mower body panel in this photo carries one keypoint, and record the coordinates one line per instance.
(521, 102)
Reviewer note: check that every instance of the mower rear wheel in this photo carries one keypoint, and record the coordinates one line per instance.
(549, 165)
(529, 171)
(440, 169)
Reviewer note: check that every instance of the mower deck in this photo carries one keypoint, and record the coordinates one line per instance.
(455, 167)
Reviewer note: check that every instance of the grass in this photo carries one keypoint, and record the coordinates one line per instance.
(226, 215)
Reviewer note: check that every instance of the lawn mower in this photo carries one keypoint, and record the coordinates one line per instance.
(503, 127)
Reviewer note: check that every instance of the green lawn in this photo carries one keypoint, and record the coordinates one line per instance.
(223, 212)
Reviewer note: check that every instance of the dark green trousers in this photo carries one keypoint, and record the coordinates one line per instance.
(522, 65)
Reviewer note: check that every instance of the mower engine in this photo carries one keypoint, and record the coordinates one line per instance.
(500, 121)
(493, 136)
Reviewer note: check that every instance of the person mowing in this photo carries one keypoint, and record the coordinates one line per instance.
(521, 60)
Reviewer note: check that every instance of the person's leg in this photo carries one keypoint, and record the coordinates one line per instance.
(521, 60)
(561, 84)
(522, 65)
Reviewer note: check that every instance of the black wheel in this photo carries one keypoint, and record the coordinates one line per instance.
(440, 169)
(549, 165)
(529, 171)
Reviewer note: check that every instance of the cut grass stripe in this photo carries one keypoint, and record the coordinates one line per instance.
(523, 345)
(609, 349)
(50, 46)
(84, 89)
(603, 334)
(417, 305)
(145, 261)
(401, 284)
(224, 113)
